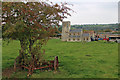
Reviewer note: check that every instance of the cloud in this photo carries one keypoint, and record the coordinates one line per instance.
(94, 12)
(85, 1)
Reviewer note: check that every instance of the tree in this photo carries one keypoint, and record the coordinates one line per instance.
(107, 30)
(31, 23)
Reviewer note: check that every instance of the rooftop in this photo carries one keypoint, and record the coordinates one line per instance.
(75, 30)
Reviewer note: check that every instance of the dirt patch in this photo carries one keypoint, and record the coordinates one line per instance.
(7, 72)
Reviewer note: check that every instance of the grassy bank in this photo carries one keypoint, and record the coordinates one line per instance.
(77, 60)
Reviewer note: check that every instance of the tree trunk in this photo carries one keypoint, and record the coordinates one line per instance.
(32, 55)
(22, 52)
(15, 66)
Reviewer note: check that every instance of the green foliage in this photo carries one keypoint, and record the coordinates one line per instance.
(107, 30)
(116, 32)
(32, 24)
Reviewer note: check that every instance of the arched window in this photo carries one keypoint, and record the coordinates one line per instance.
(87, 38)
(69, 39)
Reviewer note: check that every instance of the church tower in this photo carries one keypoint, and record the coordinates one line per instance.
(65, 30)
(82, 38)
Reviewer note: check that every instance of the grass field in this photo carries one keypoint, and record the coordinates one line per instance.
(77, 60)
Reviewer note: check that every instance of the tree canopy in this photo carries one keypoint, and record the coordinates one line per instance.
(35, 16)
(31, 23)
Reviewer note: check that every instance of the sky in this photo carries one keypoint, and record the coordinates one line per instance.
(92, 11)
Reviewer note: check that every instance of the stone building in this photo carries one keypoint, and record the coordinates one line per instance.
(69, 34)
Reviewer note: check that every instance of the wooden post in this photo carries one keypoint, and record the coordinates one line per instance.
(55, 63)
(15, 66)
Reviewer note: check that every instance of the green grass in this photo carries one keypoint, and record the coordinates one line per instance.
(77, 60)
(0, 59)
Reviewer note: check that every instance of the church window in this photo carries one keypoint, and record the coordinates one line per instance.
(69, 39)
(87, 38)
(84, 38)
(73, 39)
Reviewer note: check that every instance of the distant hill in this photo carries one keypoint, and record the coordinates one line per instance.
(95, 27)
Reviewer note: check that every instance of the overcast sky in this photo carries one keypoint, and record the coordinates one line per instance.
(92, 11)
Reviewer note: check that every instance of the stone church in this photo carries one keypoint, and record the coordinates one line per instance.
(69, 34)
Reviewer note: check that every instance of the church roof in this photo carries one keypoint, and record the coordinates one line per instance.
(91, 32)
(85, 34)
(75, 30)
(78, 36)
(74, 36)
